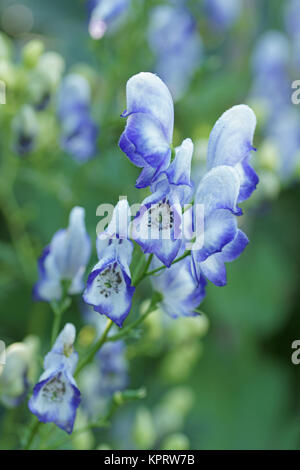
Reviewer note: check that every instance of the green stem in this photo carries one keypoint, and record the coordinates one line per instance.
(138, 278)
(58, 310)
(55, 327)
(153, 305)
(32, 434)
(154, 271)
(90, 355)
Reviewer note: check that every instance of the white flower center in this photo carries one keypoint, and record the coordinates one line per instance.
(54, 390)
(161, 215)
(110, 280)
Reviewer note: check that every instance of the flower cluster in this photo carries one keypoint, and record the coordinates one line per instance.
(79, 132)
(182, 250)
(229, 179)
(56, 396)
(48, 99)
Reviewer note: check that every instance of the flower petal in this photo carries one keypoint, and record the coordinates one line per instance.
(219, 189)
(220, 229)
(179, 171)
(214, 268)
(110, 292)
(231, 138)
(147, 93)
(71, 248)
(55, 400)
(147, 136)
(181, 294)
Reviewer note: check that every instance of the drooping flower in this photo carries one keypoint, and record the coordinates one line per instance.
(230, 143)
(147, 137)
(56, 397)
(181, 294)
(218, 194)
(65, 259)
(177, 45)
(79, 132)
(105, 15)
(109, 288)
(157, 226)
(17, 372)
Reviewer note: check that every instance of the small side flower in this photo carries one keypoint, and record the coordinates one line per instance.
(56, 397)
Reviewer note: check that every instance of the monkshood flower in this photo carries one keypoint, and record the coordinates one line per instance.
(113, 367)
(181, 294)
(79, 132)
(283, 131)
(65, 259)
(222, 14)
(177, 45)
(218, 194)
(107, 374)
(157, 226)
(56, 397)
(270, 64)
(230, 143)
(18, 371)
(105, 15)
(147, 137)
(109, 288)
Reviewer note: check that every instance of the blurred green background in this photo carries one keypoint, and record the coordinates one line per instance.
(245, 388)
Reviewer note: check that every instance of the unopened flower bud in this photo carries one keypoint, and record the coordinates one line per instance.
(31, 53)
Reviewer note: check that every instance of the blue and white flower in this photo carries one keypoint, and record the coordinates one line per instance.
(147, 137)
(181, 294)
(56, 397)
(79, 132)
(106, 15)
(177, 45)
(65, 259)
(157, 226)
(230, 143)
(218, 193)
(109, 288)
